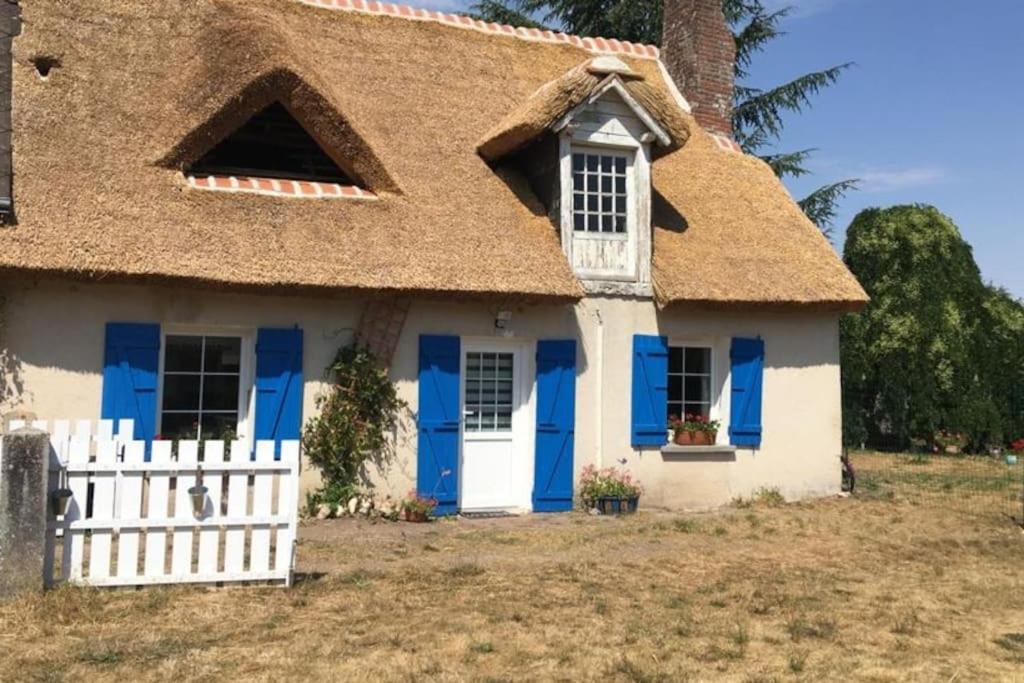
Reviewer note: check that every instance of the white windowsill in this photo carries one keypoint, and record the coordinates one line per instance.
(718, 449)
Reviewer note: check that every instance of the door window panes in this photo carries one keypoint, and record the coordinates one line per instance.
(489, 391)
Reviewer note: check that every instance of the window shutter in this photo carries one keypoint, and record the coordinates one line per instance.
(747, 379)
(437, 457)
(556, 425)
(131, 359)
(650, 390)
(278, 386)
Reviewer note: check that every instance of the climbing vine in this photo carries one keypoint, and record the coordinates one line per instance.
(357, 412)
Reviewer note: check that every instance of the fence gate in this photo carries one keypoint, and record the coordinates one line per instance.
(132, 522)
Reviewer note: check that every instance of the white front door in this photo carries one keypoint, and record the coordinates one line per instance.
(490, 400)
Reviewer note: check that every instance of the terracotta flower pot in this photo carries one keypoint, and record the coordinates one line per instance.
(703, 438)
(684, 438)
(415, 516)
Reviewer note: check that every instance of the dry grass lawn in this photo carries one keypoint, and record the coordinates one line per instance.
(881, 586)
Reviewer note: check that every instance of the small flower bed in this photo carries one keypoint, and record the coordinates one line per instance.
(609, 482)
(417, 508)
(1017, 446)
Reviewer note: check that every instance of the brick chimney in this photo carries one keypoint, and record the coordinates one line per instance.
(698, 49)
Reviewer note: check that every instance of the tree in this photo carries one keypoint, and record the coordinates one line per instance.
(936, 349)
(757, 114)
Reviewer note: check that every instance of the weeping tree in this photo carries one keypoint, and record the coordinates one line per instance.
(936, 350)
(758, 114)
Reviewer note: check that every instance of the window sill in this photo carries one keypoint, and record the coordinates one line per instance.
(698, 452)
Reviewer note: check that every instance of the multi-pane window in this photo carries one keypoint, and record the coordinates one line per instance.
(201, 383)
(489, 386)
(600, 197)
(689, 381)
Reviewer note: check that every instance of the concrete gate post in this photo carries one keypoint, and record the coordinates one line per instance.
(24, 471)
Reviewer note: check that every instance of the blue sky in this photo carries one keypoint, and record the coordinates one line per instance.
(930, 113)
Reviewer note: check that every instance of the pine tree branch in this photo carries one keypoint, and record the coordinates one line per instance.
(820, 205)
(763, 110)
(752, 38)
(789, 163)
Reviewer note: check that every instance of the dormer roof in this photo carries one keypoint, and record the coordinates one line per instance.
(554, 104)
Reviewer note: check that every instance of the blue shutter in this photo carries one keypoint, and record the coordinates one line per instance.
(650, 390)
(131, 359)
(437, 460)
(556, 425)
(747, 379)
(278, 385)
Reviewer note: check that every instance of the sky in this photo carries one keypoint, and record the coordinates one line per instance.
(928, 114)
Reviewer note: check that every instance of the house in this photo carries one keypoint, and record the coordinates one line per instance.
(551, 241)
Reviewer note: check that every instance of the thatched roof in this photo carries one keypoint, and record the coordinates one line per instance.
(146, 87)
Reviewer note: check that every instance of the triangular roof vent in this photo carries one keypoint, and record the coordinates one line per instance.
(271, 144)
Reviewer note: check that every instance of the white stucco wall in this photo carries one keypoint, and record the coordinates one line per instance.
(801, 413)
(54, 332)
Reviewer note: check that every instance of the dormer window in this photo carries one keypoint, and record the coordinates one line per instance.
(605, 146)
(271, 144)
(600, 191)
(584, 143)
(278, 137)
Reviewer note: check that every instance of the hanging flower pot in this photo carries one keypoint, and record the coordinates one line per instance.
(60, 500)
(197, 494)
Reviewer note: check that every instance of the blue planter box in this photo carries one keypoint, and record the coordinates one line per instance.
(617, 506)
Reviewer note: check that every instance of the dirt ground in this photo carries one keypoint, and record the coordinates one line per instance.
(881, 586)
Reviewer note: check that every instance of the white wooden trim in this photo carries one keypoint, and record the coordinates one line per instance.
(171, 523)
(118, 523)
(717, 409)
(613, 83)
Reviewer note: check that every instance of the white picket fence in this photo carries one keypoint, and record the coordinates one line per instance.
(130, 522)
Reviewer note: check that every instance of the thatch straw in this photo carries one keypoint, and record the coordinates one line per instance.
(552, 101)
(144, 87)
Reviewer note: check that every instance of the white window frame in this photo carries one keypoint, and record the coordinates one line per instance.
(716, 411)
(246, 375)
(711, 373)
(627, 153)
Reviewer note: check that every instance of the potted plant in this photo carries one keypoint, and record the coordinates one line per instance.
(417, 508)
(610, 491)
(694, 430)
